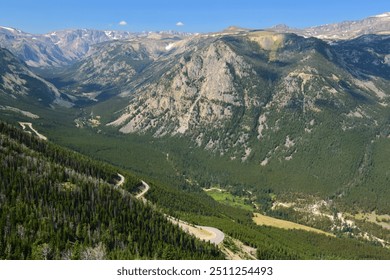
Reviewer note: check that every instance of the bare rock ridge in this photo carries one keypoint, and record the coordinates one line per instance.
(379, 24)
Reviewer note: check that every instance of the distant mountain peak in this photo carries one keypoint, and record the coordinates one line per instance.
(10, 29)
(377, 24)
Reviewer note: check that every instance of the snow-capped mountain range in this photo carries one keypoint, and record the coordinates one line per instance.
(59, 48)
(63, 47)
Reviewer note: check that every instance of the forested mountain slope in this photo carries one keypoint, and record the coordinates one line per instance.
(57, 204)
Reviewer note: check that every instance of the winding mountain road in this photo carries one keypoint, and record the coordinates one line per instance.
(204, 233)
(29, 125)
(121, 180)
(211, 234)
(145, 190)
(218, 236)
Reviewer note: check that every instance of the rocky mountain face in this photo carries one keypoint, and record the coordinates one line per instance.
(17, 82)
(232, 92)
(113, 66)
(379, 24)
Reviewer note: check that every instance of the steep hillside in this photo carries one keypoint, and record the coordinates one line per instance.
(57, 204)
(111, 68)
(19, 84)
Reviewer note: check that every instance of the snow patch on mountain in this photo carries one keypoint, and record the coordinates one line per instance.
(170, 46)
(384, 15)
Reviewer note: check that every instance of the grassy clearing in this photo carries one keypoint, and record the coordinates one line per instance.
(69, 186)
(227, 198)
(273, 222)
(381, 220)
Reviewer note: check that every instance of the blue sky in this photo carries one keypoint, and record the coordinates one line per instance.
(41, 16)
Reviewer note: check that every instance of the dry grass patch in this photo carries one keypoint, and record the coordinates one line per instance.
(381, 220)
(263, 220)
